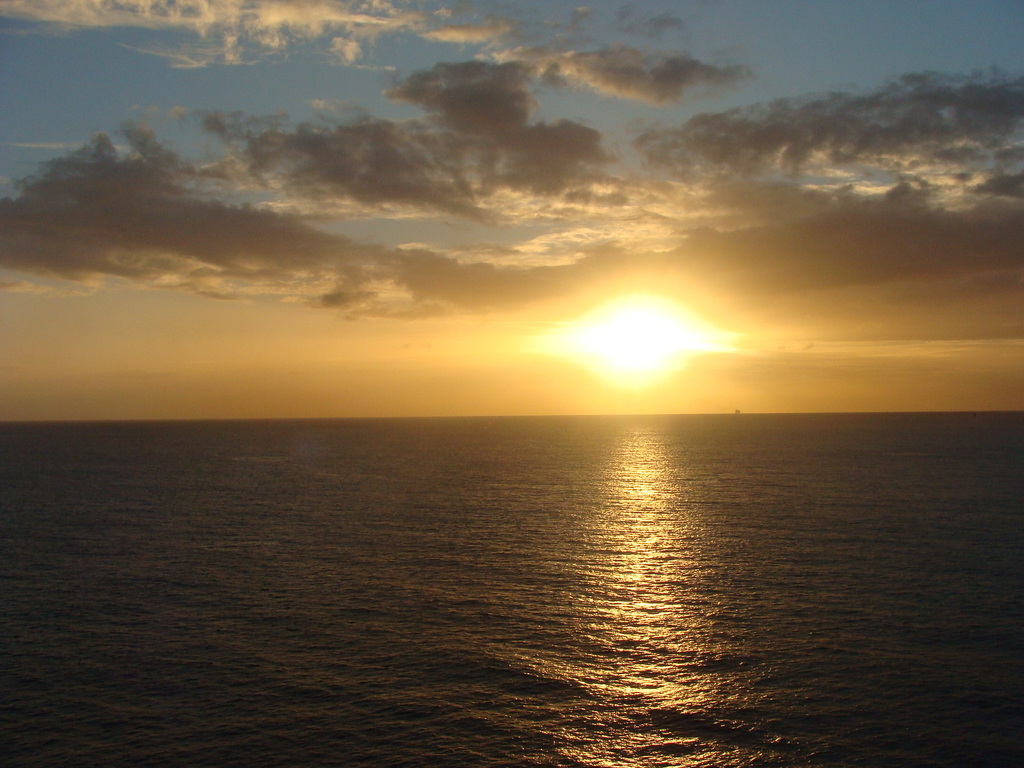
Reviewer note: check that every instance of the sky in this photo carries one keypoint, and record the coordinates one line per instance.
(321, 208)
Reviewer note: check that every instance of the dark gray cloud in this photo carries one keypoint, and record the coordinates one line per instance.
(489, 106)
(860, 242)
(629, 73)
(477, 139)
(472, 96)
(1004, 184)
(342, 299)
(371, 161)
(142, 217)
(921, 118)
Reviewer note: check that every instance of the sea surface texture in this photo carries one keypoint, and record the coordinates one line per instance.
(741, 590)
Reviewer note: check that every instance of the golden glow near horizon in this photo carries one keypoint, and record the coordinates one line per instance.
(635, 339)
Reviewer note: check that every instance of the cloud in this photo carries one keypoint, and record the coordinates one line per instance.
(340, 299)
(373, 162)
(145, 217)
(44, 144)
(916, 120)
(229, 27)
(477, 141)
(861, 270)
(141, 217)
(875, 188)
(861, 242)
(856, 272)
(915, 184)
(492, 28)
(759, 210)
(1004, 184)
(472, 96)
(240, 31)
(487, 106)
(654, 26)
(629, 73)
(579, 16)
(347, 49)
(24, 286)
(21, 286)
(265, 20)
(149, 216)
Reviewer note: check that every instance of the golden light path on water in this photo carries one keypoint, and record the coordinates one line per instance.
(643, 640)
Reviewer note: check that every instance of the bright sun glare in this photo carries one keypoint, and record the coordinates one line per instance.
(638, 336)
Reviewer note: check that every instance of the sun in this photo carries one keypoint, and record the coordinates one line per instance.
(637, 336)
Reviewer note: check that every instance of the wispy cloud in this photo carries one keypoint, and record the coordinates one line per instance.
(491, 29)
(230, 29)
(45, 144)
(265, 20)
(35, 289)
(656, 77)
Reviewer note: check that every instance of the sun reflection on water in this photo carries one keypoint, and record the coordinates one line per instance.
(642, 639)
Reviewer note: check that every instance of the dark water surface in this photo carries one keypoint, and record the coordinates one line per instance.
(626, 591)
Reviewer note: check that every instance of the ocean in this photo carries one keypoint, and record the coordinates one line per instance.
(722, 590)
